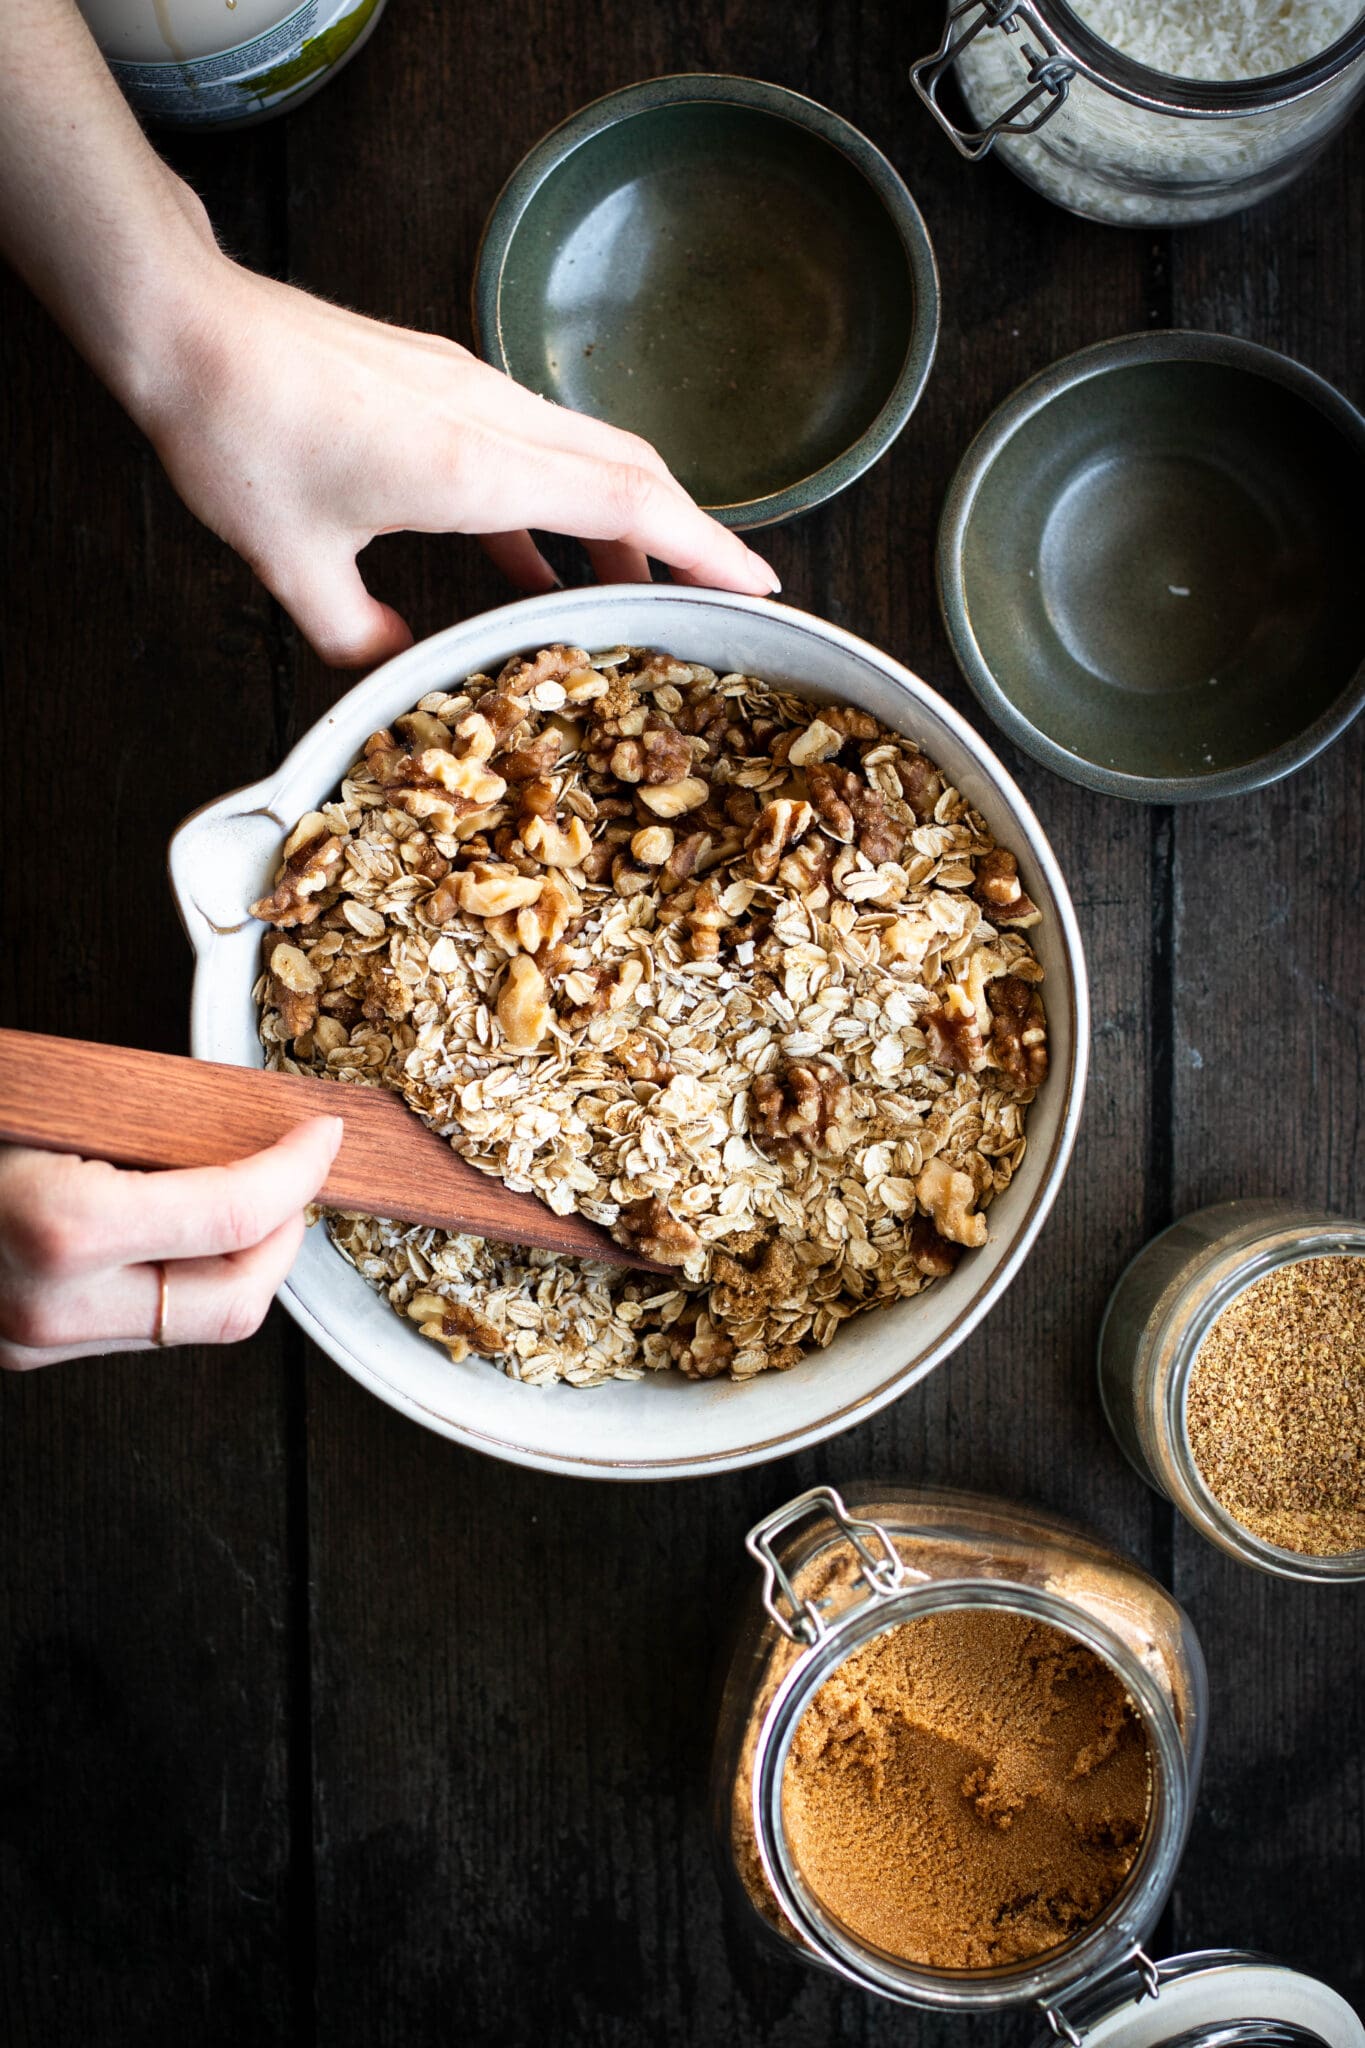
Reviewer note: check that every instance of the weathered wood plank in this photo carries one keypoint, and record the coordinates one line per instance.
(145, 1594)
(1270, 1099)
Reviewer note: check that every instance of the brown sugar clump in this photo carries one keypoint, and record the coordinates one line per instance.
(1276, 1407)
(969, 1790)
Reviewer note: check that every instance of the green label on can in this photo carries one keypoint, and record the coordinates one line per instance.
(259, 77)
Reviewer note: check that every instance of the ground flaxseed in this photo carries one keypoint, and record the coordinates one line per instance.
(1276, 1407)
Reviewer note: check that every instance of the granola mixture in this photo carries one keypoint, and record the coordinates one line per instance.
(734, 974)
(1276, 1407)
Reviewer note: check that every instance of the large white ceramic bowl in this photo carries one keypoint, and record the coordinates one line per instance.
(662, 1426)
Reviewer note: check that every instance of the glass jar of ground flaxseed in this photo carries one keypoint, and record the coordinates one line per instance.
(958, 1748)
(1232, 1370)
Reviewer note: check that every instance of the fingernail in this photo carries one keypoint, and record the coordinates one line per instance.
(336, 1130)
(765, 570)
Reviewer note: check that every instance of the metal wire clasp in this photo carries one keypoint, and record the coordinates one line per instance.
(802, 1621)
(1149, 1986)
(1047, 72)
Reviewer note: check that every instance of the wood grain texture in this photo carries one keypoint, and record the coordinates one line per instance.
(137, 1108)
(459, 1719)
(1269, 1098)
(148, 1590)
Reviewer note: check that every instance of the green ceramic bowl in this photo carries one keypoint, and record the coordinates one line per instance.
(1149, 566)
(726, 268)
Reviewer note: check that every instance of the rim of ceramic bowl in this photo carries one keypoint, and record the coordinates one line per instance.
(201, 843)
(721, 88)
(1167, 345)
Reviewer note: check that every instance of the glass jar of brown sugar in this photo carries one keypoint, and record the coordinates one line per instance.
(958, 1748)
(1232, 1370)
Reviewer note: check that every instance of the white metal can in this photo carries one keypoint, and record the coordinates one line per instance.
(222, 63)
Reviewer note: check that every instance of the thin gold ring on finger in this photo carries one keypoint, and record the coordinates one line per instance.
(163, 1302)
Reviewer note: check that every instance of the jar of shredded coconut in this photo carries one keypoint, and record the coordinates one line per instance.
(1148, 114)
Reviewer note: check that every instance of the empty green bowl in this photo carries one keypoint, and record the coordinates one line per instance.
(726, 268)
(1149, 566)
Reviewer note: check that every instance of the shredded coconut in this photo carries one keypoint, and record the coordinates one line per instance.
(1235, 39)
(1100, 156)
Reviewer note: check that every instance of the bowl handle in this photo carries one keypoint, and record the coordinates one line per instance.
(220, 858)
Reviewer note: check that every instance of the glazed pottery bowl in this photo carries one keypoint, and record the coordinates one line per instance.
(1149, 566)
(223, 857)
(725, 268)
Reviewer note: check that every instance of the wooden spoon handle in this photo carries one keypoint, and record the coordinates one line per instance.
(157, 1109)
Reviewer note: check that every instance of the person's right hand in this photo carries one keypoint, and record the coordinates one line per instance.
(299, 431)
(83, 1244)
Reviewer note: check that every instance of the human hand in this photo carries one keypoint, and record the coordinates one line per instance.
(83, 1246)
(295, 430)
(298, 431)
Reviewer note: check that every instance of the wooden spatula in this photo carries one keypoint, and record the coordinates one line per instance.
(156, 1109)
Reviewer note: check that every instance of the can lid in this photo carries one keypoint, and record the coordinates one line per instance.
(1217, 1998)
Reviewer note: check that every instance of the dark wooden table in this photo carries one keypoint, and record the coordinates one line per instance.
(316, 1728)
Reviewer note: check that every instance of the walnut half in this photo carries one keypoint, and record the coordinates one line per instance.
(1019, 1034)
(807, 1108)
(556, 846)
(294, 986)
(951, 1034)
(524, 1004)
(931, 1254)
(853, 813)
(596, 989)
(312, 856)
(457, 1325)
(950, 1198)
(647, 1227)
(999, 889)
(778, 826)
(671, 799)
(658, 756)
(708, 1351)
(489, 889)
